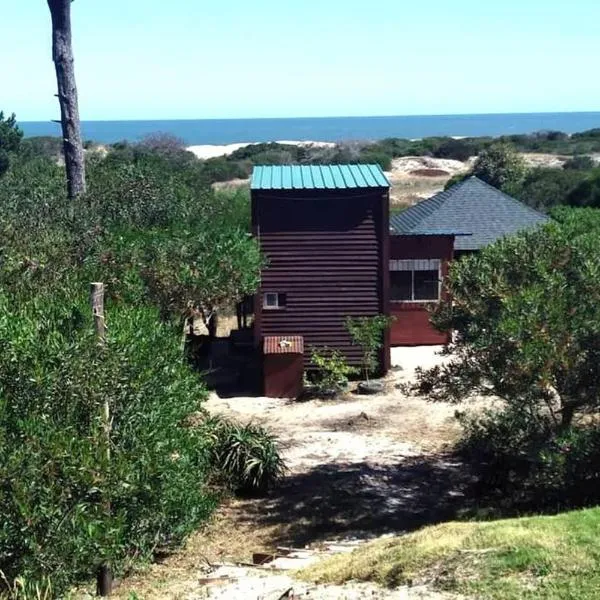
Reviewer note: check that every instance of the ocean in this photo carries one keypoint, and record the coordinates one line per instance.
(326, 129)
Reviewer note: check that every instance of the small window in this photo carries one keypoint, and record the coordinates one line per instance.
(415, 280)
(273, 300)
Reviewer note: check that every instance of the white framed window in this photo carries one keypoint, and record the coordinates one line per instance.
(415, 280)
(273, 300)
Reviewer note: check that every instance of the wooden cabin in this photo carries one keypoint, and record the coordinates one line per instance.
(426, 237)
(324, 231)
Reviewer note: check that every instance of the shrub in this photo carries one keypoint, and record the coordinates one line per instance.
(245, 457)
(367, 332)
(544, 188)
(457, 149)
(580, 163)
(56, 477)
(373, 157)
(500, 165)
(331, 370)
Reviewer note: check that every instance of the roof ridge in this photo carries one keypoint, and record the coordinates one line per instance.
(508, 196)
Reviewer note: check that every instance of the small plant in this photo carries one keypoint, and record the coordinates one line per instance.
(246, 457)
(367, 332)
(332, 370)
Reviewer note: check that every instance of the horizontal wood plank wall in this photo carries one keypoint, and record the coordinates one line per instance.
(326, 251)
(411, 325)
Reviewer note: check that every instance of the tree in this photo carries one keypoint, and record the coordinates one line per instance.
(587, 193)
(367, 332)
(62, 55)
(525, 313)
(10, 140)
(546, 187)
(502, 166)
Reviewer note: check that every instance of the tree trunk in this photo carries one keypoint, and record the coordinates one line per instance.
(567, 414)
(62, 55)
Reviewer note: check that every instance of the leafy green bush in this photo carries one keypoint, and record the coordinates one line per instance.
(568, 467)
(367, 332)
(457, 149)
(245, 457)
(331, 370)
(373, 157)
(580, 163)
(545, 187)
(57, 480)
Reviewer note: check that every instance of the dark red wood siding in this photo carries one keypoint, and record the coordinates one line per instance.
(327, 250)
(411, 325)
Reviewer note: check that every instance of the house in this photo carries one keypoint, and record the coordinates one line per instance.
(333, 252)
(427, 236)
(325, 233)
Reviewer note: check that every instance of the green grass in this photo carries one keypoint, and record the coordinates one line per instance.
(546, 558)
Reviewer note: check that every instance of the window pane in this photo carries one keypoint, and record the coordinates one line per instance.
(401, 285)
(270, 300)
(427, 285)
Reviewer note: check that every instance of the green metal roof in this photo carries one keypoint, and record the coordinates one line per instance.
(317, 177)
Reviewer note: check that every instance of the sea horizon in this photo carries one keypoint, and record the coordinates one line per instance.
(324, 129)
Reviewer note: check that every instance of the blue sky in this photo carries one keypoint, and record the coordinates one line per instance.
(150, 59)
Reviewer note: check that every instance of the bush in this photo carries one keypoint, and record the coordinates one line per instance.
(460, 149)
(56, 477)
(245, 457)
(367, 332)
(580, 163)
(544, 187)
(373, 157)
(331, 370)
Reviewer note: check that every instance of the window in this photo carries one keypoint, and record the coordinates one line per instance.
(415, 280)
(273, 300)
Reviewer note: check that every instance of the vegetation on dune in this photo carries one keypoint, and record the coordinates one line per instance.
(166, 246)
(546, 558)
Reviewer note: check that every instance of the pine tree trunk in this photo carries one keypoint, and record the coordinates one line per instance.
(62, 55)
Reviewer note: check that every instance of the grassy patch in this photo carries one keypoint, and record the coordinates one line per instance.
(546, 558)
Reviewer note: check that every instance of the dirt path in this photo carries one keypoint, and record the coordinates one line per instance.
(359, 467)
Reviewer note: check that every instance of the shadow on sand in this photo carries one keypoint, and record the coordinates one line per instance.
(358, 499)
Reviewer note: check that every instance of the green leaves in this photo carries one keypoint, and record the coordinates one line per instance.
(245, 457)
(367, 332)
(526, 319)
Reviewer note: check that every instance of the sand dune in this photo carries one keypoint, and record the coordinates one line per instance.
(212, 151)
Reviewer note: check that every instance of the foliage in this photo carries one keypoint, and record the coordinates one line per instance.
(587, 193)
(57, 479)
(457, 149)
(245, 457)
(42, 147)
(367, 332)
(526, 319)
(545, 187)
(527, 558)
(153, 231)
(501, 165)
(10, 140)
(331, 370)
(580, 163)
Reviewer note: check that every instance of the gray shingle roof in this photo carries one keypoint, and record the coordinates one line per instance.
(473, 208)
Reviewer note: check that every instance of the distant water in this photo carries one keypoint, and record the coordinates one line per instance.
(327, 129)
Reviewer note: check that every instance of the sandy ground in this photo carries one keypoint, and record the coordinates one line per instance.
(410, 185)
(212, 151)
(359, 467)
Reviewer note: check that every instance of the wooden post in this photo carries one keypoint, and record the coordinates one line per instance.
(104, 577)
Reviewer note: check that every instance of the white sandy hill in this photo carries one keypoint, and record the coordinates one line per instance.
(212, 151)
